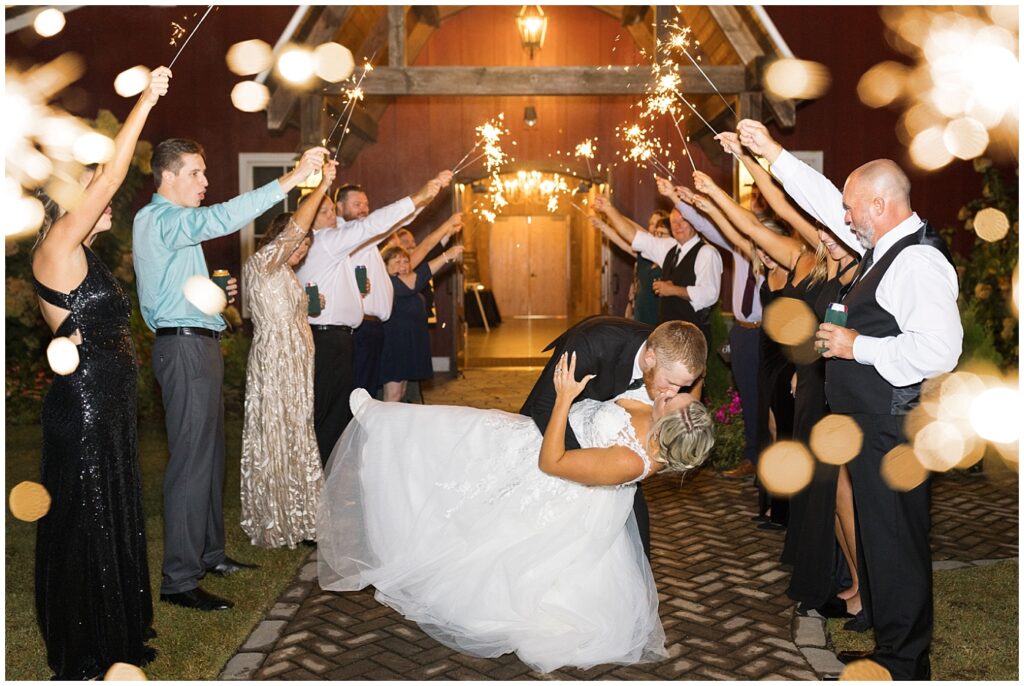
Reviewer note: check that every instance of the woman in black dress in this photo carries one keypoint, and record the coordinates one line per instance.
(821, 517)
(92, 578)
(406, 353)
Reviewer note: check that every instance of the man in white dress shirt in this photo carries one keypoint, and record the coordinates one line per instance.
(330, 266)
(903, 327)
(691, 269)
(745, 334)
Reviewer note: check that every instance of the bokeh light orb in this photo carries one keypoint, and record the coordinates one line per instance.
(334, 62)
(836, 439)
(789, 321)
(965, 138)
(249, 57)
(250, 96)
(991, 224)
(882, 84)
(205, 295)
(785, 468)
(792, 78)
(29, 501)
(49, 22)
(997, 413)
(296, 65)
(122, 671)
(62, 354)
(132, 81)
(928, 149)
(939, 446)
(901, 469)
(93, 148)
(25, 214)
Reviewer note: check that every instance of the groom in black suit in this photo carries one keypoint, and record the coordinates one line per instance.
(623, 354)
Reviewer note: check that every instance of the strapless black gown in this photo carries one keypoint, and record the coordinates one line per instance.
(92, 578)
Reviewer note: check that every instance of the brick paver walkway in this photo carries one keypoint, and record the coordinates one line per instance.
(721, 587)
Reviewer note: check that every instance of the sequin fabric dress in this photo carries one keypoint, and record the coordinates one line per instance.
(281, 470)
(92, 578)
(445, 512)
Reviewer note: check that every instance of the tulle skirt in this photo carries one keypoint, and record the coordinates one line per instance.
(444, 511)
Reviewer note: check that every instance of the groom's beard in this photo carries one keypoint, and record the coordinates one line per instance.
(648, 377)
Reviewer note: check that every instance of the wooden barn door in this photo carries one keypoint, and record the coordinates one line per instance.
(529, 266)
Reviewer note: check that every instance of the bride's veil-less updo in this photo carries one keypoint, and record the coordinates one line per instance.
(685, 438)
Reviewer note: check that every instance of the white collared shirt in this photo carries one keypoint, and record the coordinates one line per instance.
(707, 268)
(330, 266)
(740, 264)
(919, 289)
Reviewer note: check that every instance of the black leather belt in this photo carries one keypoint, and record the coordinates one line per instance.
(330, 327)
(188, 331)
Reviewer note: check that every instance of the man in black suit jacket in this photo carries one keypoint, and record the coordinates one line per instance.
(622, 352)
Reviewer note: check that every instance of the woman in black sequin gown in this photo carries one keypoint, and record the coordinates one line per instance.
(92, 578)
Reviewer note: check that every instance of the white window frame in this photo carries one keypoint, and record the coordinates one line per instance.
(247, 161)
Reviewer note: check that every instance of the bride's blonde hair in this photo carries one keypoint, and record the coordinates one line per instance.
(684, 438)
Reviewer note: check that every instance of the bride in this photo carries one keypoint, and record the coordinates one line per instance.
(496, 539)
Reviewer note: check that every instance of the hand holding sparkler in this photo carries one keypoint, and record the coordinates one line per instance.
(702, 203)
(330, 170)
(686, 194)
(603, 204)
(704, 183)
(754, 135)
(311, 161)
(159, 82)
(730, 142)
(666, 188)
(430, 189)
(452, 225)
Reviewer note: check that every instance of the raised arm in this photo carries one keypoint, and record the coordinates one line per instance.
(783, 249)
(774, 195)
(625, 227)
(68, 232)
(612, 235)
(448, 256)
(306, 213)
(739, 242)
(284, 244)
(589, 466)
(451, 226)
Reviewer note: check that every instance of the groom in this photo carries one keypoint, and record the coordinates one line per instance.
(623, 354)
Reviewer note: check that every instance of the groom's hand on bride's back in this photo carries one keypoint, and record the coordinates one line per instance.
(566, 385)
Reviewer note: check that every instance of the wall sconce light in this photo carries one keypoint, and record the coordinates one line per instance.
(530, 116)
(532, 26)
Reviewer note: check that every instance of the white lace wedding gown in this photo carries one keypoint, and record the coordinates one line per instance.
(444, 511)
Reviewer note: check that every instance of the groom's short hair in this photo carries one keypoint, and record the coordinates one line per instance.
(679, 341)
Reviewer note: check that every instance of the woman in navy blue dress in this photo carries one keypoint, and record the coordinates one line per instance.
(406, 355)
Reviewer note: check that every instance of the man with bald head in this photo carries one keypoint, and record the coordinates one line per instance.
(903, 327)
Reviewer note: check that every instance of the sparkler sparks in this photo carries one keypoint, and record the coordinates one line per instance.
(178, 32)
(586, 151)
(489, 136)
(352, 95)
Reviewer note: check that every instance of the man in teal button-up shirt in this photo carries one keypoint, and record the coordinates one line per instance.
(186, 355)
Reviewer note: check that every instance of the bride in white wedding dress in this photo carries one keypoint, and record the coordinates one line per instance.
(495, 539)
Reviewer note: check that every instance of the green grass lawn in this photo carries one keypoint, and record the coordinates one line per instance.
(191, 644)
(975, 636)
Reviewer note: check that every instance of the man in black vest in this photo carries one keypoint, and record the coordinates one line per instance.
(691, 269)
(903, 327)
(621, 353)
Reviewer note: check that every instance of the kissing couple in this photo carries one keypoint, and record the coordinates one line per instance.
(500, 532)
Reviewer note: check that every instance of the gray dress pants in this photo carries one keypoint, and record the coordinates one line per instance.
(190, 371)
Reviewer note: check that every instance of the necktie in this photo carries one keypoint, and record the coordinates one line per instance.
(748, 294)
(670, 262)
(635, 384)
(865, 264)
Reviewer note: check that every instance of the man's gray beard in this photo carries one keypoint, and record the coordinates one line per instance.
(866, 239)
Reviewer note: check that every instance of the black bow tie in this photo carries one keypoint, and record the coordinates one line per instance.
(636, 383)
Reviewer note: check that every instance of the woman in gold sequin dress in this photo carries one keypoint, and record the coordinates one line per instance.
(281, 471)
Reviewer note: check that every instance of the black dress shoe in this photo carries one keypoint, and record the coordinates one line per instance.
(771, 526)
(848, 656)
(309, 543)
(229, 566)
(859, 623)
(197, 599)
(832, 609)
(759, 518)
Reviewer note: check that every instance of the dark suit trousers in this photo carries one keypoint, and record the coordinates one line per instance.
(367, 342)
(745, 345)
(893, 553)
(190, 371)
(332, 385)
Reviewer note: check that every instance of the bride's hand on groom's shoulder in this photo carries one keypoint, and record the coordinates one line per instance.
(566, 385)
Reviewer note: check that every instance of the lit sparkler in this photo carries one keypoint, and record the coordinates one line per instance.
(489, 137)
(586, 151)
(178, 31)
(680, 40)
(353, 95)
(643, 148)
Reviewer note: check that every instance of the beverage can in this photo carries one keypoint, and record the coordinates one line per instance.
(313, 293)
(221, 278)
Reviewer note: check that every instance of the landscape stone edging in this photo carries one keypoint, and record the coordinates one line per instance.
(811, 637)
(254, 650)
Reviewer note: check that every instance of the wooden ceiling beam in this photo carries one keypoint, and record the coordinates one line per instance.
(325, 27)
(539, 81)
